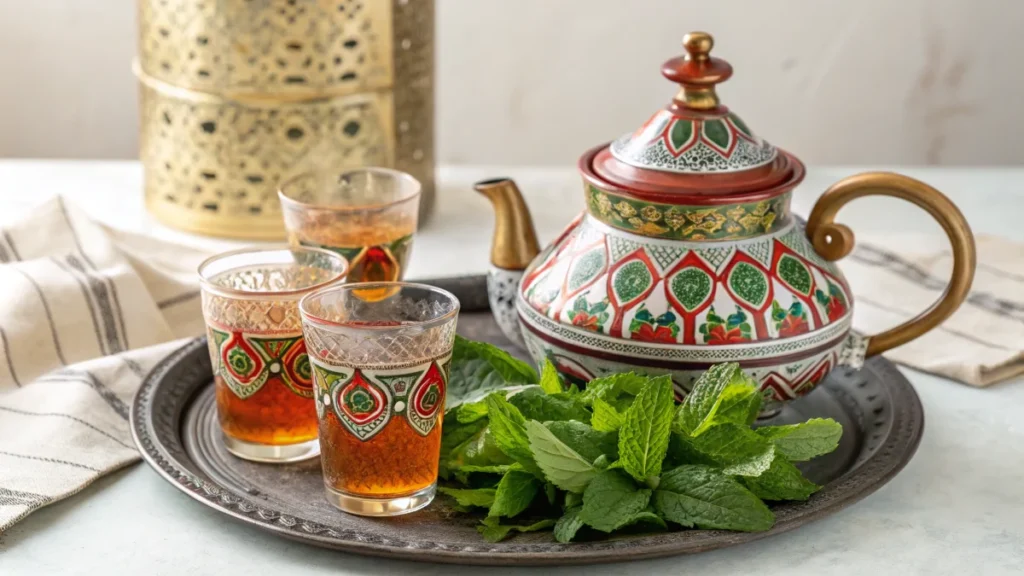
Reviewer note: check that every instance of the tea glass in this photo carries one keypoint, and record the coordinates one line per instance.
(264, 389)
(367, 215)
(381, 354)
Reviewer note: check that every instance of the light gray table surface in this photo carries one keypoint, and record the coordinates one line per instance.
(957, 508)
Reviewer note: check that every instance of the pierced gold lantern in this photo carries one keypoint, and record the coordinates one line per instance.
(236, 95)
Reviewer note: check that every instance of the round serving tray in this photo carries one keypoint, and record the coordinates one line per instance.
(173, 421)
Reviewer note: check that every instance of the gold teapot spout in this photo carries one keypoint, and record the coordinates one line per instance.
(515, 241)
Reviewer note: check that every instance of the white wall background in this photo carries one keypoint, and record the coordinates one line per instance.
(538, 81)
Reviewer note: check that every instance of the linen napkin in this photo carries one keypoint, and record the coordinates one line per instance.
(981, 343)
(86, 312)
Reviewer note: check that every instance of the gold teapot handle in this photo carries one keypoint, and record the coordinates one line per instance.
(834, 241)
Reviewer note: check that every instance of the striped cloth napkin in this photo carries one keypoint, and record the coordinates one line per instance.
(982, 343)
(86, 313)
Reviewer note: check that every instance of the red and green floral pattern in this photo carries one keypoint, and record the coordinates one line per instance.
(834, 302)
(589, 316)
(247, 362)
(791, 321)
(366, 400)
(646, 328)
(734, 329)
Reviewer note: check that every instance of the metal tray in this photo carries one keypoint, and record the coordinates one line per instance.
(173, 421)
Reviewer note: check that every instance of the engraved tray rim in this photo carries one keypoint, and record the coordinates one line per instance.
(878, 461)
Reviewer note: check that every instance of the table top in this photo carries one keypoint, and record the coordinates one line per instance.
(955, 509)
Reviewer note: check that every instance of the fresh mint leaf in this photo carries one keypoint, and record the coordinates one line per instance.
(615, 389)
(550, 382)
(704, 497)
(682, 451)
(568, 525)
(740, 404)
(514, 494)
(482, 497)
(602, 462)
(471, 412)
(535, 404)
(479, 450)
(605, 418)
(612, 500)
(782, 481)
(587, 442)
(508, 427)
(494, 532)
(697, 412)
(495, 469)
(562, 466)
(647, 517)
(737, 449)
(551, 492)
(478, 368)
(573, 499)
(800, 442)
(455, 436)
(644, 436)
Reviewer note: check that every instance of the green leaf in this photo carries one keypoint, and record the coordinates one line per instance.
(615, 387)
(535, 404)
(704, 497)
(549, 379)
(515, 492)
(741, 402)
(562, 466)
(800, 442)
(605, 418)
(612, 500)
(494, 532)
(482, 497)
(573, 499)
(643, 438)
(568, 525)
(455, 437)
(646, 517)
(697, 412)
(602, 462)
(471, 412)
(494, 469)
(737, 449)
(551, 492)
(682, 451)
(479, 368)
(479, 450)
(782, 481)
(509, 430)
(587, 442)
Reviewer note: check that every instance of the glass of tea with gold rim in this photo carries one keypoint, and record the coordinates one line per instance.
(367, 215)
(262, 373)
(380, 355)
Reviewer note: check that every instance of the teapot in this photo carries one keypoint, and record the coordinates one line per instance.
(688, 254)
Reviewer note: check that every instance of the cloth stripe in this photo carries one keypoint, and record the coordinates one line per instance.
(49, 316)
(64, 415)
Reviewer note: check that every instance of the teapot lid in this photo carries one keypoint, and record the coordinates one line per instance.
(695, 145)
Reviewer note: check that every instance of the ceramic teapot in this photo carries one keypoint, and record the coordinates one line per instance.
(688, 254)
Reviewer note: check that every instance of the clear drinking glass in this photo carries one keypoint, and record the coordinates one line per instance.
(381, 354)
(261, 370)
(367, 215)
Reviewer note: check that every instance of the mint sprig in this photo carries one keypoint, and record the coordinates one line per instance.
(535, 455)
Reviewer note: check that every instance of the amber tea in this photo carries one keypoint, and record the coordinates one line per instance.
(367, 215)
(262, 375)
(380, 356)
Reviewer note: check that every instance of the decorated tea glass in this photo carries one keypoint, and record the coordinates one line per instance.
(367, 215)
(381, 353)
(261, 370)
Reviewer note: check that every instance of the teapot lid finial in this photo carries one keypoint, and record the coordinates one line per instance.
(697, 72)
